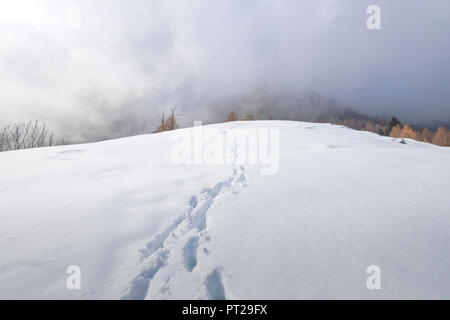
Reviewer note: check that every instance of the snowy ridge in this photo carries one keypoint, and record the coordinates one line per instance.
(140, 226)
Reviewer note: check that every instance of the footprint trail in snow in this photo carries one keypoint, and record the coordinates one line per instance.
(179, 257)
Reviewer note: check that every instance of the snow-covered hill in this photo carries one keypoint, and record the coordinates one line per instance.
(141, 226)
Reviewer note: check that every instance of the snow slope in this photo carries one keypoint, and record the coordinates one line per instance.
(142, 227)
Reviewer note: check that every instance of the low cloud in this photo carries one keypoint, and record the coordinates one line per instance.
(131, 60)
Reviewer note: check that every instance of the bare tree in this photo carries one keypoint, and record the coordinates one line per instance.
(4, 141)
(169, 123)
(162, 126)
(28, 135)
(172, 123)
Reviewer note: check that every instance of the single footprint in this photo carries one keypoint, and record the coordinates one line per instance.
(214, 286)
(190, 253)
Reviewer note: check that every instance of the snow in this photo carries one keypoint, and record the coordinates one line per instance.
(141, 226)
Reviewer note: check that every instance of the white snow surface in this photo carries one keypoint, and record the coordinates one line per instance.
(140, 226)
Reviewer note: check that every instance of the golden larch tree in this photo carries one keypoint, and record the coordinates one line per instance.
(427, 135)
(441, 138)
(232, 116)
(407, 132)
(395, 132)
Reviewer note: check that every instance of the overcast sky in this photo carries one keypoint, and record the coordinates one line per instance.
(129, 60)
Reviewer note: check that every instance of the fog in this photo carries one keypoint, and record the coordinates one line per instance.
(107, 68)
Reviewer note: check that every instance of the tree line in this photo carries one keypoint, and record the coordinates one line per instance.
(396, 129)
(440, 137)
(26, 135)
(393, 128)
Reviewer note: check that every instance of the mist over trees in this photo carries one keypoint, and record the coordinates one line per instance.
(359, 121)
(306, 106)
